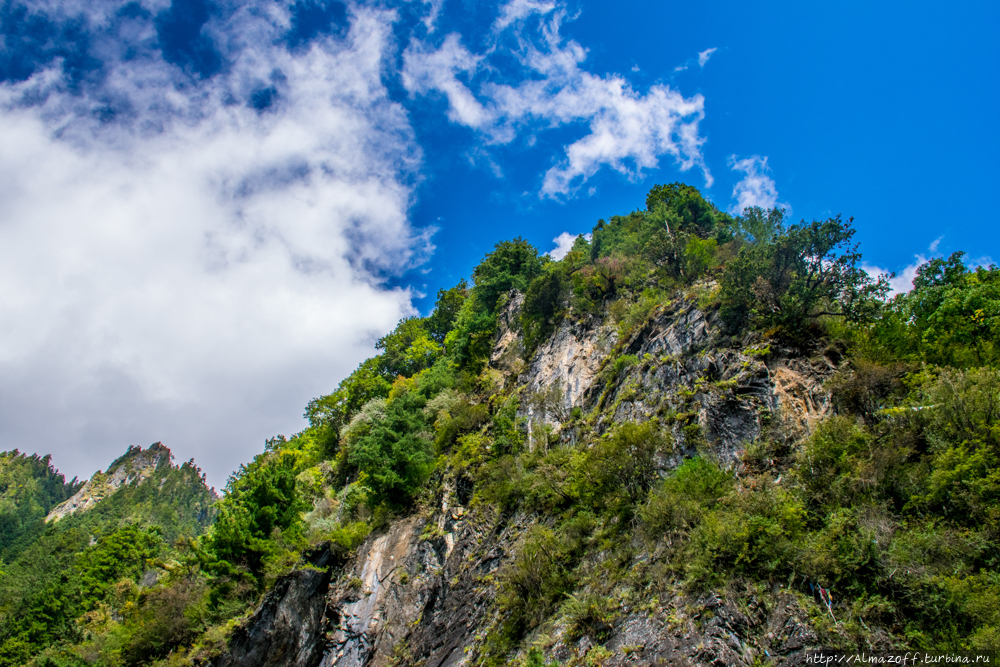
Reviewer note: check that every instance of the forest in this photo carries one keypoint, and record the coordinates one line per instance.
(883, 517)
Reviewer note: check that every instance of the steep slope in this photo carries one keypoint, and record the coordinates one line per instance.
(684, 443)
(694, 440)
(424, 591)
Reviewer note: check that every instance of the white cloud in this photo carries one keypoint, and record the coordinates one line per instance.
(518, 10)
(195, 271)
(903, 280)
(433, 11)
(427, 69)
(703, 56)
(564, 243)
(985, 262)
(756, 188)
(933, 247)
(627, 130)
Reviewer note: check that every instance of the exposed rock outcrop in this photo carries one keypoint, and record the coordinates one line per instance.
(565, 367)
(136, 465)
(287, 628)
(422, 592)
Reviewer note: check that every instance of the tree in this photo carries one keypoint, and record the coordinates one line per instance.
(511, 265)
(408, 350)
(335, 410)
(683, 209)
(394, 456)
(784, 276)
(260, 498)
(449, 302)
(955, 312)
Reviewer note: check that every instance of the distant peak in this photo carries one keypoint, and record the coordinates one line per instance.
(135, 465)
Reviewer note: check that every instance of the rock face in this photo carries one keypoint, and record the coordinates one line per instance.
(565, 367)
(422, 592)
(287, 628)
(416, 592)
(136, 465)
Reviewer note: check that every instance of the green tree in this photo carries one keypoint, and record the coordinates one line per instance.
(408, 350)
(395, 456)
(955, 312)
(784, 276)
(121, 553)
(449, 303)
(260, 498)
(335, 410)
(511, 265)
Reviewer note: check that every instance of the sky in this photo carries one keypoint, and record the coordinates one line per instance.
(210, 210)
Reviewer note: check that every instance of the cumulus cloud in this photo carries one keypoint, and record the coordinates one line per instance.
(190, 256)
(628, 130)
(564, 243)
(703, 56)
(902, 281)
(756, 188)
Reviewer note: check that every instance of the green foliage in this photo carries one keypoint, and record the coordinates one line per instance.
(511, 265)
(950, 317)
(679, 502)
(785, 276)
(599, 282)
(260, 498)
(618, 471)
(394, 457)
(29, 488)
(699, 255)
(449, 303)
(963, 434)
(121, 553)
(685, 210)
(166, 618)
(408, 350)
(469, 344)
(543, 305)
(508, 436)
(336, 410)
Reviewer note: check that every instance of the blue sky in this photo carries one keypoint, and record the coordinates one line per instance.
(210, 209)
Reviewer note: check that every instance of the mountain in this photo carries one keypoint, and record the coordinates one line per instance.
(695, 439)
(135, 466)
(100, 543)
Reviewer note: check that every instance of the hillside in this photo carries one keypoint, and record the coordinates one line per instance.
(695, 439)
(29, 488)
(68, 575)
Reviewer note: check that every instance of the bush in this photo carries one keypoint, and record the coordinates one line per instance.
(785, 276)
(679, 503)
(754, 534)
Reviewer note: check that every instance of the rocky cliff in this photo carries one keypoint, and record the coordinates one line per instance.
(423, 591)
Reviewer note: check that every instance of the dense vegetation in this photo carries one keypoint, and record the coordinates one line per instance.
(891, 504)
(69, 580)
(29, 488)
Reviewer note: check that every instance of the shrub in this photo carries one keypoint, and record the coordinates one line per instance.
(683, 497)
